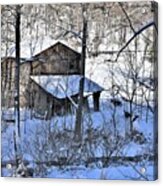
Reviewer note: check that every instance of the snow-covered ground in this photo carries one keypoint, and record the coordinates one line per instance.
(49, 140)
(112, 172)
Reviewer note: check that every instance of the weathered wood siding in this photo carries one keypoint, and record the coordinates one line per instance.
(25, 71)
(45, 104)
(58, 59)
(7, 82)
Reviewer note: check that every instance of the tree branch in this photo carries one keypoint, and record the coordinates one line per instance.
(124, 11)
(135, 35)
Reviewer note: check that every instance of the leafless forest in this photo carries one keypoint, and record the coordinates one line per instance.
(79, 90)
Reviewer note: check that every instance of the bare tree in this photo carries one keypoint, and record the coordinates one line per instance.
(17, 68)
(78, 123)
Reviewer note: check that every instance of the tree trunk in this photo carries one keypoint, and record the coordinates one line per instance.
(131, 112)
(17, 69)
(78, 122)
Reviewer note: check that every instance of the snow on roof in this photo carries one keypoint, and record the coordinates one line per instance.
(62, 86)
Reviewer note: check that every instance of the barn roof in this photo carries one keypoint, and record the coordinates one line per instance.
(62, 86)
(5, 59)
(63, 43)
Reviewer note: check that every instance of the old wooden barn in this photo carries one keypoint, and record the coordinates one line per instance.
(49, 81)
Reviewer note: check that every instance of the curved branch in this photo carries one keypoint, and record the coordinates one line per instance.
(135, 35)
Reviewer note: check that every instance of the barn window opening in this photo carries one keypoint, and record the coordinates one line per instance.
(72, 66)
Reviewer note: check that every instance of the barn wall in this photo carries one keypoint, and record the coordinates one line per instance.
(44, 103)
(57, 60)
(7, 82)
